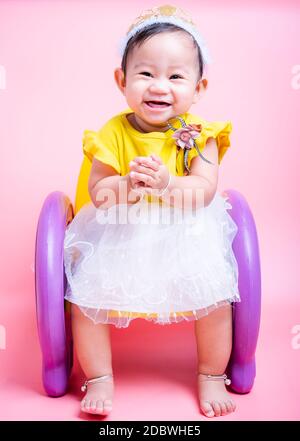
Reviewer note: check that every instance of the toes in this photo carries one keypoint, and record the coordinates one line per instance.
(207, 409)
(82, 405)
(233, 405)
(217, 408)
(223, 408)
(107, 405)
(99, 406)
(229, 405)
(85, 404)
(93, 404)
(103, 408)
(88, 406)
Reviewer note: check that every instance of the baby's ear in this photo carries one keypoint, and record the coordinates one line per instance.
(200, 88)
(204, 83)
(120, 79)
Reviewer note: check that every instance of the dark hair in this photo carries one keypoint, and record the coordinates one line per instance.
(149, 31)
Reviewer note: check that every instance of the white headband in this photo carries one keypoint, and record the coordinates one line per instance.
(173, 20)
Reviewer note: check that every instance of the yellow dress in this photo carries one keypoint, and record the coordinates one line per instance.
(105, 274)
(118, 142)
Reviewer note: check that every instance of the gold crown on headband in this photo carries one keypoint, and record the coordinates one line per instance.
(165, 10)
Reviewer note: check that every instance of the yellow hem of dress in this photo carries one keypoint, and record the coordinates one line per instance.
(148, 315)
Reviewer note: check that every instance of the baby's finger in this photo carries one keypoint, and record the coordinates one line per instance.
(140, 159)
(148, 190)
(147, 162)
(156, 158)
(148, 180)
(142, 169)
(136, 185)
(133, 179)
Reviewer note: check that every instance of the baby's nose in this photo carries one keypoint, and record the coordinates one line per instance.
(159, 86)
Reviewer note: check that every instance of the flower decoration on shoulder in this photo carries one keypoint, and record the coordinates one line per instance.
(186, 139)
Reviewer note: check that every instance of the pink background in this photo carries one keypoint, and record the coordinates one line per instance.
(58, 59)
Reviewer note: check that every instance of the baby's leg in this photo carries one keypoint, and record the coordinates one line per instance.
(214, 342)
(93, 349)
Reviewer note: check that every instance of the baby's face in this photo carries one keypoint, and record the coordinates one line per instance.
(165, 69)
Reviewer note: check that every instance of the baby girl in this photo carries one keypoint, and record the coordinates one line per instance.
(144, 159)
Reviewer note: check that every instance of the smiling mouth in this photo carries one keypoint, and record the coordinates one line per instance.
(157, 104)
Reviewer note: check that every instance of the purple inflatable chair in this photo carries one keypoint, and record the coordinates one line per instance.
(53, 313)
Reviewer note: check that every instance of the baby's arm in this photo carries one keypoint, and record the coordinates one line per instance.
(203, 177)
(107, 188)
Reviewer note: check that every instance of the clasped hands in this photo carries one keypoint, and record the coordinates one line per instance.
(148, 174)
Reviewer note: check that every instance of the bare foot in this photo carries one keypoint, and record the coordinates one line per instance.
(214, 398)
(99, 397)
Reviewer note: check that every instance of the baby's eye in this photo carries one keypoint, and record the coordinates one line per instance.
(142, 73)
(175, 75)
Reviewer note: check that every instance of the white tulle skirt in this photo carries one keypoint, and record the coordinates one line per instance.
(150, 261)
